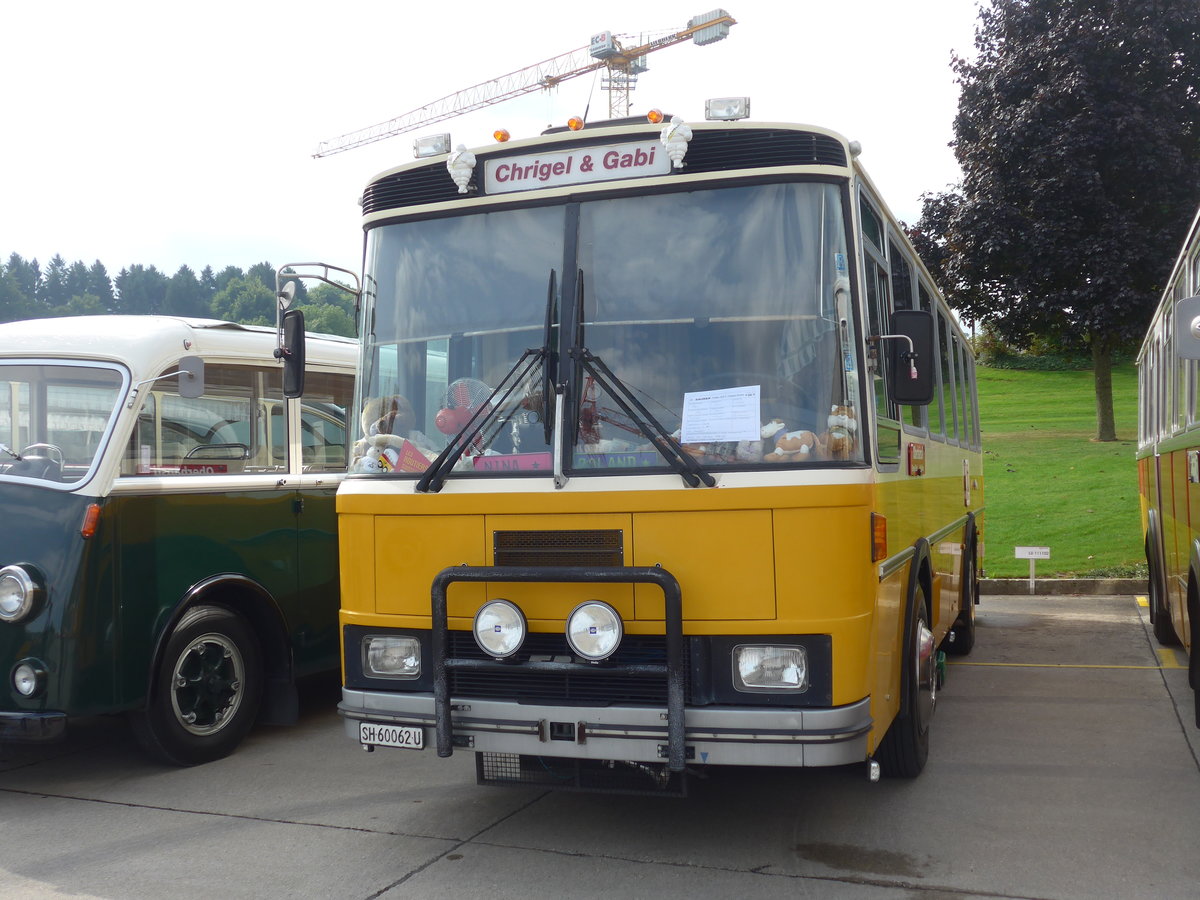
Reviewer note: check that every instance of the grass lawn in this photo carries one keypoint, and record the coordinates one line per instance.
(1048, 484)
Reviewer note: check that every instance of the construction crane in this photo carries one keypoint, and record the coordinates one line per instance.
(603, 52)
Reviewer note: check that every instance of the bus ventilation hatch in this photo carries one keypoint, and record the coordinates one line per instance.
(585, 548)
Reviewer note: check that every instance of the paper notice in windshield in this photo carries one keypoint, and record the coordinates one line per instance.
(727, 415)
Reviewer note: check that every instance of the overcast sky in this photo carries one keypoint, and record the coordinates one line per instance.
(182, 134)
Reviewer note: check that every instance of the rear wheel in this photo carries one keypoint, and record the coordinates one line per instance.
(905, 747)
(206, 691)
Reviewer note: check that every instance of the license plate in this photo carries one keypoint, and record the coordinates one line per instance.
(402, 736)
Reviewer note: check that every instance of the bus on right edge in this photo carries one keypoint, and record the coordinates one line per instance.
(1168, 457)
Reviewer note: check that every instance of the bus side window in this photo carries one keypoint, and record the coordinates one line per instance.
(879, 306)
(218, 433)
(326, 399)
(936, 414)
(948, 393)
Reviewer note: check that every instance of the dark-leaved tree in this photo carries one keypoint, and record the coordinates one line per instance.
(140, 290)
(1078, 133)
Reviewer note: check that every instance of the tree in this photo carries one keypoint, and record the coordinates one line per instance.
(14, 305)
(226, 275)
(328, 319)
(185, 296)
(245, 300)
(27, 275)
(54, 289)
(264, 272)
(1078, 133)
(140, 290)
(99, 285)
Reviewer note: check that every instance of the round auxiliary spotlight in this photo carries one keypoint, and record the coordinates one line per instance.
(500, 628)
(594, 630)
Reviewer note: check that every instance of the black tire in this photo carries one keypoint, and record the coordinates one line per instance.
(961, 639)
(1160, 617)
(206, 690)
(905, 747)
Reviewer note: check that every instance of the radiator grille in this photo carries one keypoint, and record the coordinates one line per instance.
(584, 547)
(597, 686)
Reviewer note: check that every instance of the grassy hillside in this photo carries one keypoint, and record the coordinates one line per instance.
(1048, 483)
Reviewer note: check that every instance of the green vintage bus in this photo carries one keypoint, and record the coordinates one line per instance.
(168, 545)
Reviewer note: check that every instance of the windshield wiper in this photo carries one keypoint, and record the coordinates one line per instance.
(13, 453)
(489, 411)
(550, 367)
(687, 467)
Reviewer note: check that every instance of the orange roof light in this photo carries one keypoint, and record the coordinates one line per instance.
(575, 123)
(501, 135)
(655, 116)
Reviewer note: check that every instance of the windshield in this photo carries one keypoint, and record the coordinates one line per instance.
(54, 419)
(721, 316)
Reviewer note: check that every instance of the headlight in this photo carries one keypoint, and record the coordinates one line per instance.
(19, 594)
(29, 677)
(500, 628)
(758, 668)
(594, 630)
(391, 657)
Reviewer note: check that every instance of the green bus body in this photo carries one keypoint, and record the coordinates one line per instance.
(129, 547)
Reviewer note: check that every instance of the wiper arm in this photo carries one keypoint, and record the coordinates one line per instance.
(13, 453)
(550, 367)
(687, 467)
(435, 476)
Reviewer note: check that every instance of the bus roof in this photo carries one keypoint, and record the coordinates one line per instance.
(144, 342)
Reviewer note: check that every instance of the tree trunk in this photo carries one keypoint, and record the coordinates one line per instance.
(1102, 372)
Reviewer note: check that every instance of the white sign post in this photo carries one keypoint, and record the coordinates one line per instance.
(1032, 554)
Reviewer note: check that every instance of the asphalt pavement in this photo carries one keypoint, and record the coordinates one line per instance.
(1063, 764)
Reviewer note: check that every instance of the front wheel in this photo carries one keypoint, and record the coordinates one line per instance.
(905, 747)
(206, 689)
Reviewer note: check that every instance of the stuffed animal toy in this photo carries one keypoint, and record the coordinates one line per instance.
(842, 436)
(389, 439)
(752, 451)
(793, 446)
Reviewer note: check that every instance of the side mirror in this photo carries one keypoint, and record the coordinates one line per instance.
(191, 377)
(286, 295)
(1187, 328)
(291, 351)
(912, 358)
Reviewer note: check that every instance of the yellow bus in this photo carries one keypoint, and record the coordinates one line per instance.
(669, 457)
(1168, 456)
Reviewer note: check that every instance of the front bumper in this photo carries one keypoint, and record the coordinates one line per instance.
(716, 735)
(32, 727)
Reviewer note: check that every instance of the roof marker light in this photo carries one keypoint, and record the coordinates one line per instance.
(655, 117)
(727, 109)
(432, 145)
(575, 123)
(501, 135)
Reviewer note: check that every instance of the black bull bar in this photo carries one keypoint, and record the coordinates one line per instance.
(673, 671)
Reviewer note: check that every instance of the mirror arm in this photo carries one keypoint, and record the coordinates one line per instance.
(910, 355)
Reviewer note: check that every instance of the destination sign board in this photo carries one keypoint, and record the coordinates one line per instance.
(578, 165)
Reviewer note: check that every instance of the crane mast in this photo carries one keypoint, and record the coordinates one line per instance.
(603, 52)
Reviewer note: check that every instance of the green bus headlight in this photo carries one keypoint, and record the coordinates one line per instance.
(19, 594)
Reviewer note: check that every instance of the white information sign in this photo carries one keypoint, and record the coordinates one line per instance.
(579, 165)
(732, 414)
(1032, 552)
